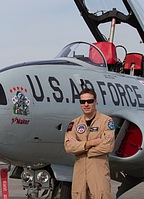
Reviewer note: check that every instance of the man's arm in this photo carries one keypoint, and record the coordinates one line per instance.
(107, 141)
(71, 144)
(92, 143)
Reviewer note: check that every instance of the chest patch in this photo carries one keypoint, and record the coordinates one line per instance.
(94, 129)
(81, 129)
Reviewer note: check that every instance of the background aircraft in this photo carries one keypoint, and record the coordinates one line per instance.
(38, 100)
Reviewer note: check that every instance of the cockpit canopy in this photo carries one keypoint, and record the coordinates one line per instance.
(84, 51)
(99, 12)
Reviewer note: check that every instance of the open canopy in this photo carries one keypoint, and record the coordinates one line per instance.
(96, 12)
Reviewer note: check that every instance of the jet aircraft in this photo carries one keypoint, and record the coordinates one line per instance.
(38, 100)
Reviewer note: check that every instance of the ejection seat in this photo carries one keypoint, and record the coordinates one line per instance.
(109, 51)
(133, 64)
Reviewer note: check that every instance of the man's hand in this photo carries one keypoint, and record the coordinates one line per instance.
(72, 139)
(93, 143)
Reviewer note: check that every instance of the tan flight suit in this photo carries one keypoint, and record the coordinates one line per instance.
(91, 168)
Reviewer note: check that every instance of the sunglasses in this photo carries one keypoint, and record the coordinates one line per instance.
(89, 101)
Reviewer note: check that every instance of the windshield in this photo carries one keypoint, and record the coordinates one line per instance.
(84, 51)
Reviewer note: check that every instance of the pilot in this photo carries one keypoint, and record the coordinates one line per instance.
(90, 138)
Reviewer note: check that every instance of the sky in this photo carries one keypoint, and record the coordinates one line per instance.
(39, 29)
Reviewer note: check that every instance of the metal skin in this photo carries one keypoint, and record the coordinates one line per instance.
(37, 102)
(36, 140)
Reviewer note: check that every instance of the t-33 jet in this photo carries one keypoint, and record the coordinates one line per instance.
(39, 99)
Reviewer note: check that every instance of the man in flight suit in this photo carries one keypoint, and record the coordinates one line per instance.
(90, 138)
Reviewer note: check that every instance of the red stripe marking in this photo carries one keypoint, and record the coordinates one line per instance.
(4, 183)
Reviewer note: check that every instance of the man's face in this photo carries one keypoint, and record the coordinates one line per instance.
(88, 107)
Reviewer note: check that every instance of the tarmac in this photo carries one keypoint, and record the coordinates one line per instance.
(16, 191)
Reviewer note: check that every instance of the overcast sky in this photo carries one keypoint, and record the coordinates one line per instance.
(38, 29)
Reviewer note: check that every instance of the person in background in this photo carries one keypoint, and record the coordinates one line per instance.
(90, 138)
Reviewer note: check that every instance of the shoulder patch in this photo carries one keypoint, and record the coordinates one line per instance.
(111, 125)
(70, 126)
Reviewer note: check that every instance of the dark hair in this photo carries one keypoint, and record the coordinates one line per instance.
(90, 91)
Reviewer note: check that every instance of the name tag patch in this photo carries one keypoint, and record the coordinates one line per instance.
(94, 129)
